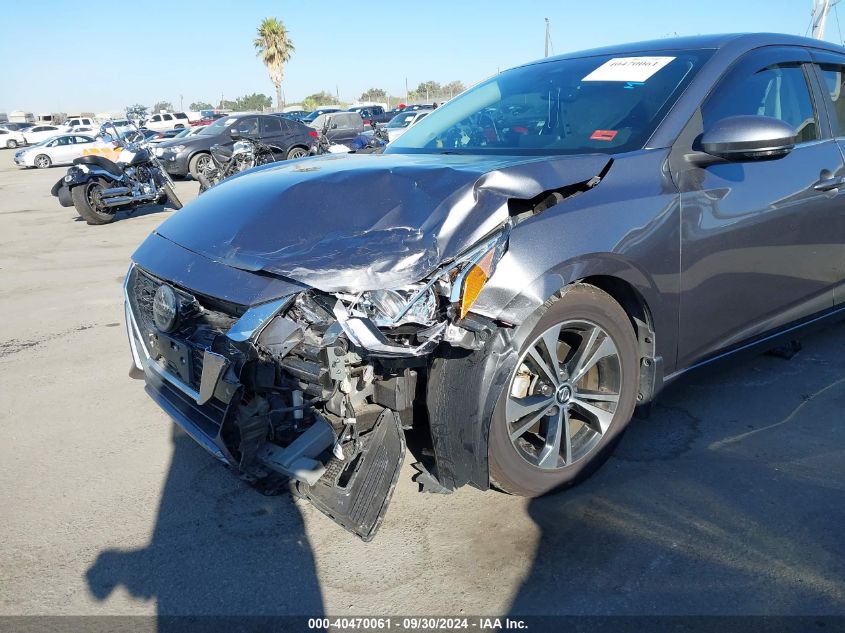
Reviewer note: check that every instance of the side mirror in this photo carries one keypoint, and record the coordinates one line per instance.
(334, 126)
(234, 134)
(747, 138)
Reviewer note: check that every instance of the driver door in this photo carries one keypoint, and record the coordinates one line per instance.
(761, 241)
(63, 149)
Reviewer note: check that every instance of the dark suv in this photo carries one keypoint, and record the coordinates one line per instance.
(190, 155)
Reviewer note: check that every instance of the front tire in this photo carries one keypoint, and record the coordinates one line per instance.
(570, 396)
(42, 161)
(172, 197)
(84, 199)
(198, 164)
(11, 144)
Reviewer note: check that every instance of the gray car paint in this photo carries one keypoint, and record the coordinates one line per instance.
(634, 226)
(425, 210)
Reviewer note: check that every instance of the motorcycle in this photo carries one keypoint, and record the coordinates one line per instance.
(361, 144)
(226, 161)
(99, 187)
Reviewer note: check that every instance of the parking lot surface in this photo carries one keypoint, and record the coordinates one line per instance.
(729, 499)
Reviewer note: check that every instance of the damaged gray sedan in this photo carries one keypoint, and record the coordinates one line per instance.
(509, 280)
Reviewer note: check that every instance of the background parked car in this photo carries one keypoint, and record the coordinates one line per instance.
(295, 115)
(62, 150)
(191, 154)
(167, 121)
(121, 125)
(372, 114)
(401, 122)
(340, 127)
(16, 127)
(309, 119)
(11, 138)
(39, 133)
(168, 134)
(207, 119)
(72, 124)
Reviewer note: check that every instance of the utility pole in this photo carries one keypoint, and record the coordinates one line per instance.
(821, 9)
(406, 90)
(547, 39)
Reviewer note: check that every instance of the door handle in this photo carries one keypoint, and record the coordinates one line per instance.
(828, 184)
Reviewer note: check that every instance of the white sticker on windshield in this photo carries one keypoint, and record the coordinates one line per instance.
(636, 69)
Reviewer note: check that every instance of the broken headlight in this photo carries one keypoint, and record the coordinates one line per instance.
(389, 308)
(459, 283)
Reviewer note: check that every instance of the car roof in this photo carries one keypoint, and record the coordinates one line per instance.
(740, 42)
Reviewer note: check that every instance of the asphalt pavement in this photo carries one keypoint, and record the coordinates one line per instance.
(729, 499)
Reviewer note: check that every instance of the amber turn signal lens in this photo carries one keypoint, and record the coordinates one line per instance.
(475, 280)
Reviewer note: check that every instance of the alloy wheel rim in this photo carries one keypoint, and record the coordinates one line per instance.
(93, 195)
(41, 161)
(298, 153)
(203, 163)
(563, 394)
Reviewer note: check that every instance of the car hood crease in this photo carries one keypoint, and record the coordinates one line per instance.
(363, 222)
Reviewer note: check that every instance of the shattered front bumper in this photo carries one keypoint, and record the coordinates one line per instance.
(210, 408)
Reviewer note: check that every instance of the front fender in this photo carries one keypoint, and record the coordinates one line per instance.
(627, 227)
(500, 304)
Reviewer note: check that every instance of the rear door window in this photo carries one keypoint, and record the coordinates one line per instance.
(271, 126)
(833, 76)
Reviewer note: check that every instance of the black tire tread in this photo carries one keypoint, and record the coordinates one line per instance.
(508, 471)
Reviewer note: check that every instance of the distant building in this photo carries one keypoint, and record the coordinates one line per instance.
(19, 116)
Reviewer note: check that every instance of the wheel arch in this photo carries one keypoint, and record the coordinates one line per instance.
(634, 289)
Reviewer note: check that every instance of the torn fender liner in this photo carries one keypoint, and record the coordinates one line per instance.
(357, 494)
(312, 222)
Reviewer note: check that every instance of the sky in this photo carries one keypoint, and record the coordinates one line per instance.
(101, 56)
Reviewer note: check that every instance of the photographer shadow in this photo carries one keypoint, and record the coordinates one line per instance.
(219, 547)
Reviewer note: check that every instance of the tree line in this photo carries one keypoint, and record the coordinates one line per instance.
(274, 46)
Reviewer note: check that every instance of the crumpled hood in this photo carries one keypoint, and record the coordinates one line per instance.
(354, 222)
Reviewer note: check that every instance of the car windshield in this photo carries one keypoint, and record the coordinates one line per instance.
(402, 120)
(604, 104)
(218, 126)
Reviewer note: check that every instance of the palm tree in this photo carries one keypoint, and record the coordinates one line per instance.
(274, 48)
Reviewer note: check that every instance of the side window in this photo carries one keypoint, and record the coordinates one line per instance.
(271, 125)
(834, 81)
(167, 117)
(181, 115)
(779, 91)
(247, 126)
(156, 118)
(83, 139)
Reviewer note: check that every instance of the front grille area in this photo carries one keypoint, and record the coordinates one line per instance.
(201, 319)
